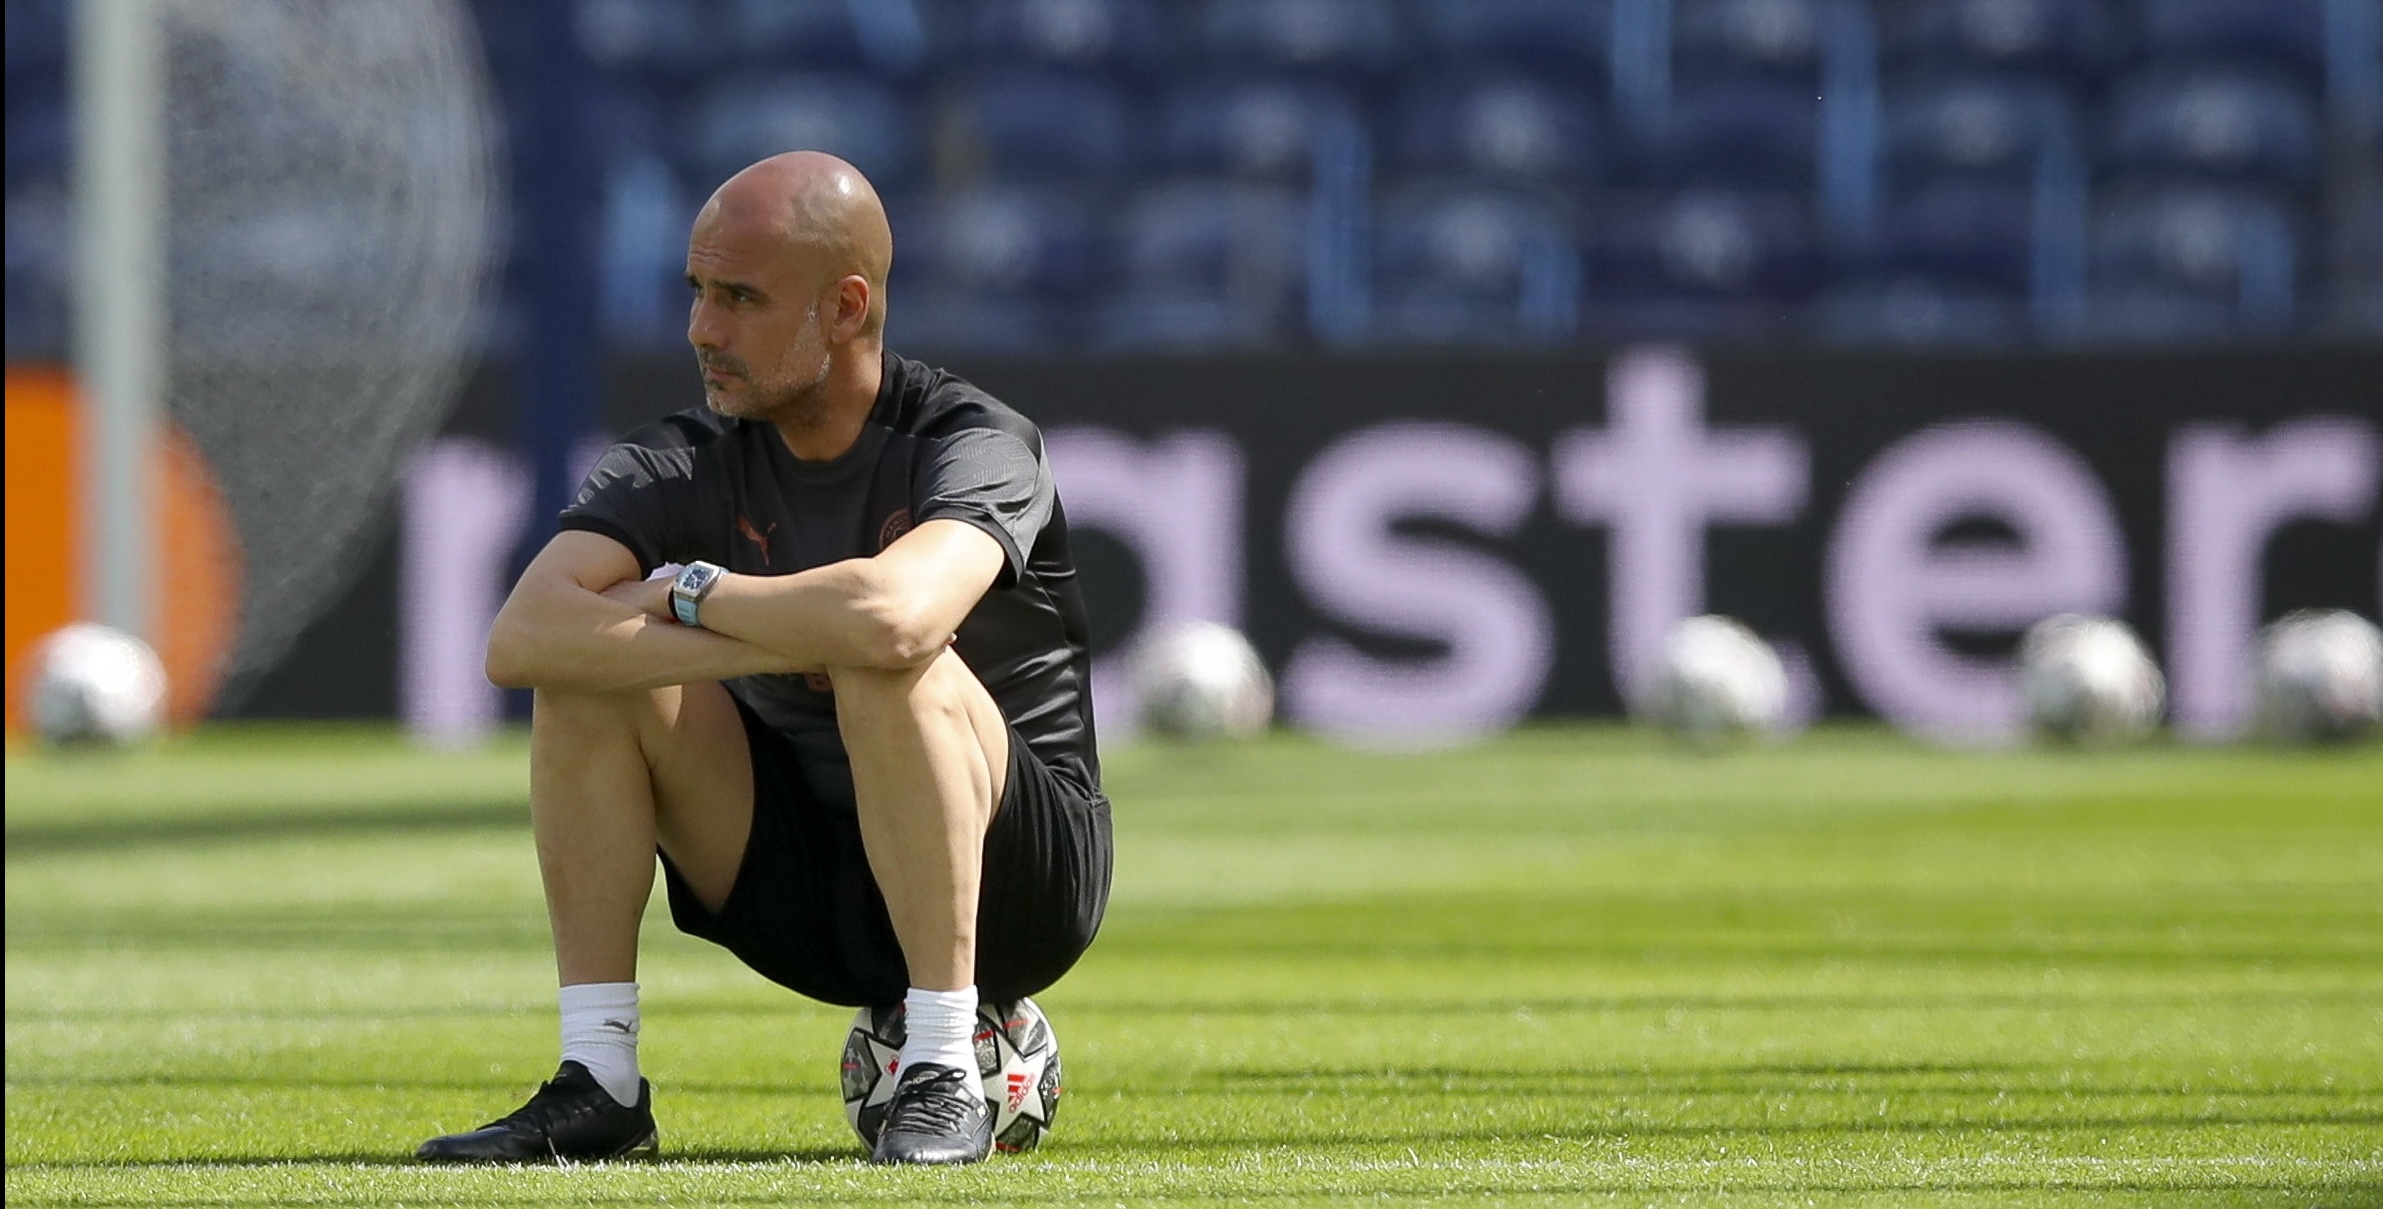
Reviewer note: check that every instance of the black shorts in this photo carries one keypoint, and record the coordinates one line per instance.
(806, 914)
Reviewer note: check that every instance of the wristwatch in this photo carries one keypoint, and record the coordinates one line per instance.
(695, 581)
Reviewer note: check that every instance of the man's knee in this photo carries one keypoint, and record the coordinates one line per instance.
(603, 718)
(940, 685)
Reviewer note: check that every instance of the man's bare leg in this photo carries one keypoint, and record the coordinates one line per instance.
(610, 776)
(929, 753)
(930, 756)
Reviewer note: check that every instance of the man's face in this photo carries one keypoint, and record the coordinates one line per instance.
(754, 322)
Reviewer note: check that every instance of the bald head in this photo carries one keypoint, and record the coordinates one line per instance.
(820, 211)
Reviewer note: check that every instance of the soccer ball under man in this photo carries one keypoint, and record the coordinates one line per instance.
(1201, 680)
(2089, 680)
(1017, 1054)
(1713, 678)
(2321, 676)
(95, 685)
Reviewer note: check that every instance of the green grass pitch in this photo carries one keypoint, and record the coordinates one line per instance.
(1572, 967)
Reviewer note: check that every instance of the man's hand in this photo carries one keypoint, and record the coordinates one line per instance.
(649, 596)
(583, 620)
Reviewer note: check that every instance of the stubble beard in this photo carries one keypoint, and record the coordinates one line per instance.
(788, 402)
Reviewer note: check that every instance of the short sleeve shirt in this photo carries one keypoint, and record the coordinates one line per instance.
(699, 485)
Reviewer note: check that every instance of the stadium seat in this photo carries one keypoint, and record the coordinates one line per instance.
(2073, 39)
(1042, 125)
(1744, 134)
(1221, 237)
(642, 258)
(744, 119)
(1705, 243)
(1564, 41)
(1258, 128)
(1917, 312)
(1088, 35)
(1336, 38)
(2192, 262)
(2215, 125)
(661, 41)
(1473, 265)
(882, 37)
(1004, 240)
(1209, 264)
(1974, 128)
(1742, 40)
(1958, 235)
(2286, 34)
(998, 268)
(1497, 127)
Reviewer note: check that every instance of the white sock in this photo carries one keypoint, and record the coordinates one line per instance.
(600, 1033)
(940, 1028)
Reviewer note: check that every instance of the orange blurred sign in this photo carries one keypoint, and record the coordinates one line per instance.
(198, 607)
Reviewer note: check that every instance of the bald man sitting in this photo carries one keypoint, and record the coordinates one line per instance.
(856, 727)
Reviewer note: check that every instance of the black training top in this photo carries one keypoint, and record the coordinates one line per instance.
(699, 485)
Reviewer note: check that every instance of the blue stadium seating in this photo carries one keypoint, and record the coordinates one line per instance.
(1747, 40)
(1209, 264)
(1975, 237)
(1339, 38)
(1920, 312)
(1170, 173)
(1973, 128)
(998, 268)
(1470, 265)
(653, 42)
(1257, 127)
(2075, 39)
(1497, 127)
(1089, 35)
(2286, 34)
(2192, 262)
(1566, 41)
(1004, 239)
(1044, 125)
(743, 119)
(883, 37)
(1706, 244)
(2215, 125)
(1738, 133)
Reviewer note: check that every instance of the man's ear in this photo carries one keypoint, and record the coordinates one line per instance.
(851, 316)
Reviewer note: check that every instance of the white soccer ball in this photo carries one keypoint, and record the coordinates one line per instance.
(2089, 680)
(1714, 678)
(2321, 676)
(1201, 680)
(1017, 1054)
(92, 684)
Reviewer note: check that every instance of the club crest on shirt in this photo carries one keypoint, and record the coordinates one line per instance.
(759, 537)
(895, 526)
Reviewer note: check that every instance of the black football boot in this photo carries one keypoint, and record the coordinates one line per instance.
(938, 1115)
(572, 1119)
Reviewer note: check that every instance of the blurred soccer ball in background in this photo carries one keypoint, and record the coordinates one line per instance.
(1017, 1056)
(95, 685)
(2320, 676)
(1201, 680)
(2088, 680)
(1715, 678)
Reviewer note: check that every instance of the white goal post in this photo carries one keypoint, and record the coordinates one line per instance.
(119, 298)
